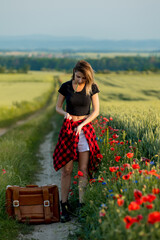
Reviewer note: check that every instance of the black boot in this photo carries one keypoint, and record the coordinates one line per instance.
(65, 214)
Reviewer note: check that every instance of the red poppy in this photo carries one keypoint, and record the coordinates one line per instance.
(126, 177)
(135, 166)
(110, 139)
(115, 136)
(111, 119)
(92, 180)
(106, 119)
(74, 182)
(149, 206)
(133, 206)
(120, 202)
(155, 190)
(117, 158)
(4, 171)
(154, 217)
(75, 177)
(139, 201)
(99, 156)
(151, 197)
(112, 149)
(119, 174)
(121, 143)
(122, 169)
(137, 194)
(129, 221)
(113, 169)
(130, 155)
(80, 173)
(126, 165)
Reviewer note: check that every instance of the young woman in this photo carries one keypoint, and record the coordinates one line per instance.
(77, 140)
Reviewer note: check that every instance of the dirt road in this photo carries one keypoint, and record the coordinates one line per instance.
(54, 231)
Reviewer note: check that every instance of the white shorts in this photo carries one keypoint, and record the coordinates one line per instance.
(82, 144)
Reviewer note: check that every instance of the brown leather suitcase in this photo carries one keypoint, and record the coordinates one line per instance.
(33, 204)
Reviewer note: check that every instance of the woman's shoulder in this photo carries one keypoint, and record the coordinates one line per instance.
(95, 88)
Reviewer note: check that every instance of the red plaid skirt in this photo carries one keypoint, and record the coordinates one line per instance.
(66, 148)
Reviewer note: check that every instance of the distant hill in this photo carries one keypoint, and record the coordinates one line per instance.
(48, 43)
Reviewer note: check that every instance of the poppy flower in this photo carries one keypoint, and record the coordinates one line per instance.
(126, 165)
(119, 174)
(76, 176)
(120, 202)
(113, 169)
(115, 136)
(92, 180)
(74, 182)
(117, 158)
(106, 119)
(130, 155)
(121, 143)
(137, 194)
(126, 177)
(111, 119)
(155, 190)
(112, 149)
(4, 171)
(122, 169)
(129, 221)
(99, 156)
(154, 217)
(151, 197)
(133, 206)
(80, 173)
(149, 206)
(135, 166)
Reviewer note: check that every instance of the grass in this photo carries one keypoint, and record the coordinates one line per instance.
(19, 160)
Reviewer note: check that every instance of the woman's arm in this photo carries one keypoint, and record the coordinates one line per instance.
(59, 105)
(93, 115)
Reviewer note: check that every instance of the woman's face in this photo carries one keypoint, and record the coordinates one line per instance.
(79, 77)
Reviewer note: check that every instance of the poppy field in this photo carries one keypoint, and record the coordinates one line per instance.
(122, 200)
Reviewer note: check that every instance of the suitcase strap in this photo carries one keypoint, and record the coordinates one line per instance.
(16, 203)
(47, 211)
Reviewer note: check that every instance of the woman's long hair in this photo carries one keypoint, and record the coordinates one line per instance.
(85, 68)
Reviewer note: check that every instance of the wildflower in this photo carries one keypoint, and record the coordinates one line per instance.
(105, 119)
(120, 202)
(115, 136)
(130, 155)
(151, 197)
(80, 173)
(110, 190)
(119, 174)
(133, 206)
(4, 171)
(122, 169)
(126, 165)
(74, 182)
(113, 169)
(102, 213)
(121, 143)
(129, 221)
(76, 176)
(92, 180)
(137, 194)
(155, 190)
(154, 217)
(135, 166)
(117, 158)
(152, 162)
(126, 177)
(111, 119)
(99, 156)
(112, 149)
(149, 206)
(135, 181)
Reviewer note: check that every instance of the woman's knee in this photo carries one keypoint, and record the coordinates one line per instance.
(66, 171)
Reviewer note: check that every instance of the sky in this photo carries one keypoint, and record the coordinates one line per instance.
(96, 19)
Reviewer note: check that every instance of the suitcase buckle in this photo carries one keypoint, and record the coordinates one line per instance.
(46, 203)
(15, 203)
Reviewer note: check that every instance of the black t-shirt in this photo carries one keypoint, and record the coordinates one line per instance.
(77, 103)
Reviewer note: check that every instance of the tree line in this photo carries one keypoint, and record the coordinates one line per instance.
(105, 64)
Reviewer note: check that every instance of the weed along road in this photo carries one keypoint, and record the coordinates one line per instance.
(48, 175)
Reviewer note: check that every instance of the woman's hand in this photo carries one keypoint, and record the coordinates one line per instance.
(78, 129)
(67, 116)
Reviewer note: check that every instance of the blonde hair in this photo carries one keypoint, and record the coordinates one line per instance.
(85, 68)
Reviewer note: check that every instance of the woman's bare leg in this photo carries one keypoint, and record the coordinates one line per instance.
(66, 173)
(83, 166)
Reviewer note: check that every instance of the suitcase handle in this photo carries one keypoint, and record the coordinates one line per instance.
(32, 185)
